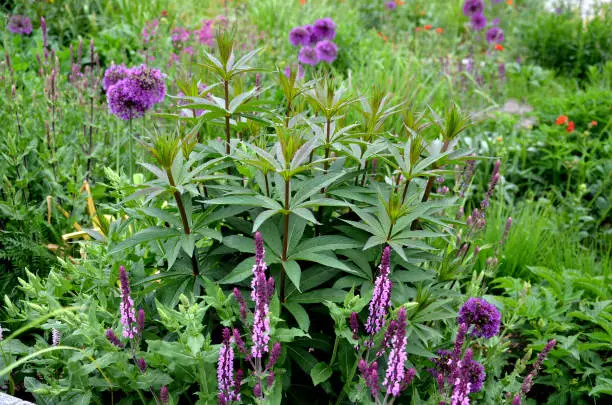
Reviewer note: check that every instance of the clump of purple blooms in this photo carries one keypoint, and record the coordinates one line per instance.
(131, 92)
(316, 42)
(456, 373)
(397, 376)
(20, 24)
(483, 316)
(262, 290)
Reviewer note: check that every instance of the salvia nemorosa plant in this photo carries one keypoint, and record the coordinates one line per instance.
(257, 323)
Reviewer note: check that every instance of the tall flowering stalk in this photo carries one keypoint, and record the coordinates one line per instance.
(229, 391)
(393, 345)
(381, 297)
(262, 290)
(528, 381)
(128, 316)
(260, 294)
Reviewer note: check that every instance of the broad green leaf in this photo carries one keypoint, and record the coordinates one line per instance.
(319, 373)
(293, 271)
(300, 315)
(146, 235)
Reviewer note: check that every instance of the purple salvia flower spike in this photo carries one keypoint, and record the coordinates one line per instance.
(225, 370)
(396, 364)
(370, 376)
(381, 296)
(110, 335)
(43, 28)
(164, 395)
(128, 317)
(55, 337)
(142, 365)
(260, 294)
(140, 320)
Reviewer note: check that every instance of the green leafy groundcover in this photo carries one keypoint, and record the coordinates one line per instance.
(273, 233)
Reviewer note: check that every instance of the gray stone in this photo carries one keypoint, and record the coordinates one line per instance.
(6, 399)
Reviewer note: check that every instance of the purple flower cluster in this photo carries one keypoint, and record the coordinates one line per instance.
(128, 316)
(495, 35)
(205, 34)
(537, 366)
(482, 315)
(474, 9)
(131, 92)
(396, 364)
(457, 369)
(56, 336)
(20, 24)
(229, 385)
(391, 5)
(262, 289)
(150, 30)
(381, 296)
(316, 42)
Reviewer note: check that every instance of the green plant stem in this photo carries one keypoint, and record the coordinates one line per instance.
(186, 228)
(227, 117)
(327, 145)
(288, 113)
(334, 351)
(285, 239)
(405, 192)
(349, 379)
(130, 151)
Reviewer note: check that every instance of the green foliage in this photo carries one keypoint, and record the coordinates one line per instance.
(565, 43)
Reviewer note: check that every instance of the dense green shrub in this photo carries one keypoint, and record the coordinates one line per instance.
(567, 44)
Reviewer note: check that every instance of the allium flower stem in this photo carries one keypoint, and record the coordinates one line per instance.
(184, 220)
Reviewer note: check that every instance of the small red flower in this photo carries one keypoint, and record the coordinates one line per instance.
(439, 30)
(498, 47)
(561, 119)
(593, 123)
(427, 27)
(570, 127)
(164, 13)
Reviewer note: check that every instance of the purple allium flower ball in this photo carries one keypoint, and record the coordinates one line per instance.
(20, 24)
(314, 38)
(325, 28)
(114, 74)
(151, 83)
(390, 5)
(478, 21)
(484, 316)
(308, 56)
(473, 7)
(327, 51)
(299, 36)
(495, 35)
(125, 100)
